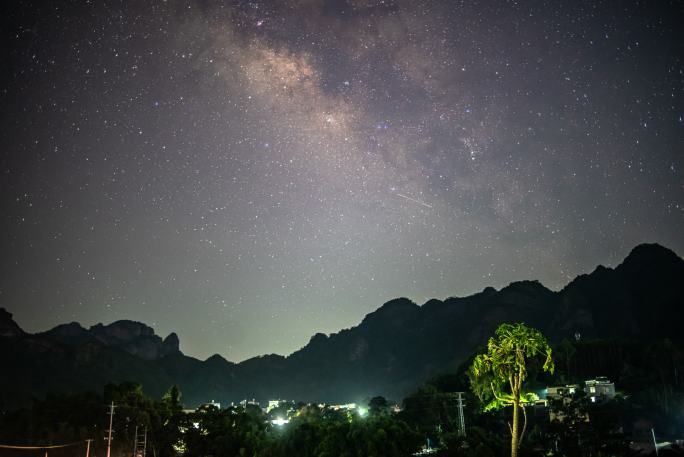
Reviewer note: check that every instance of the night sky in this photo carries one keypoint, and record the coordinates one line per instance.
(249, 173)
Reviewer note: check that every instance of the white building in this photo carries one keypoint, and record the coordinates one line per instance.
(599, 389)
(273, 404)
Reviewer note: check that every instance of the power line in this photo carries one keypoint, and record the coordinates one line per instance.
(50, 446)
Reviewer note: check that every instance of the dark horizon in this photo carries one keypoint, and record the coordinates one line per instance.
(163, 336)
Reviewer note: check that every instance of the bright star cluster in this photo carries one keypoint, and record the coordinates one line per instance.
(249, 173)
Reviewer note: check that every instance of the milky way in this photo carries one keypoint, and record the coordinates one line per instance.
(249, 173)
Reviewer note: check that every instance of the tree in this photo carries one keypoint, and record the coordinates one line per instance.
(565, 352)
(172, 400)
(582, 428)
(505, 366)
(378, 406)
(172, 421)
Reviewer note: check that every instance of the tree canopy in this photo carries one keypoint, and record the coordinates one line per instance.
(504, 368)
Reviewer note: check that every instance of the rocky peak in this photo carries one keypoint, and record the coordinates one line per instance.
(393, 314)
(649, 259)
(318, 338)
(398, 305)
(523, 292)
(489, 290)
(218, 361)
(171, 344)
(72, 334)
(216, 358)
(123, 330)
(135, 338)
(8, 328)
(72, 328)
(649, 251)
(432, 303)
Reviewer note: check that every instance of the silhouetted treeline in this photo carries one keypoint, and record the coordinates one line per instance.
(235, 431)
(647, 376)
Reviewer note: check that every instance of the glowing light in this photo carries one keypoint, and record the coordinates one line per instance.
(280, 421)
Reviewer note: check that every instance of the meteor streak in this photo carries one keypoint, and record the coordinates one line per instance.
(414, 200)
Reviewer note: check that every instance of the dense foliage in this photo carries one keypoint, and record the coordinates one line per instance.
(208, 431)
(647, 375)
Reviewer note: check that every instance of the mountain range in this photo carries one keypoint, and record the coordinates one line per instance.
(391, 352)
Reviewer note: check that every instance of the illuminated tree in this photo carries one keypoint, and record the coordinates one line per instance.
(504, 366)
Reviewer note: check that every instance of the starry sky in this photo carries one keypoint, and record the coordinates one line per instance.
(248, 173)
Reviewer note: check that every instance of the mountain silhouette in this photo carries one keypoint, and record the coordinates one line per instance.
(393, 349)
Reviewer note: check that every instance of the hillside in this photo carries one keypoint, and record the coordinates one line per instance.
(389, 353)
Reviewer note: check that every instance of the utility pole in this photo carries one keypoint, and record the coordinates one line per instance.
(140, 447)
(461, 419)
(145, 443)
(109, 432)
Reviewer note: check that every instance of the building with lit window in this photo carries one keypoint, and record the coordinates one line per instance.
(599, 389)
(560, 391)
